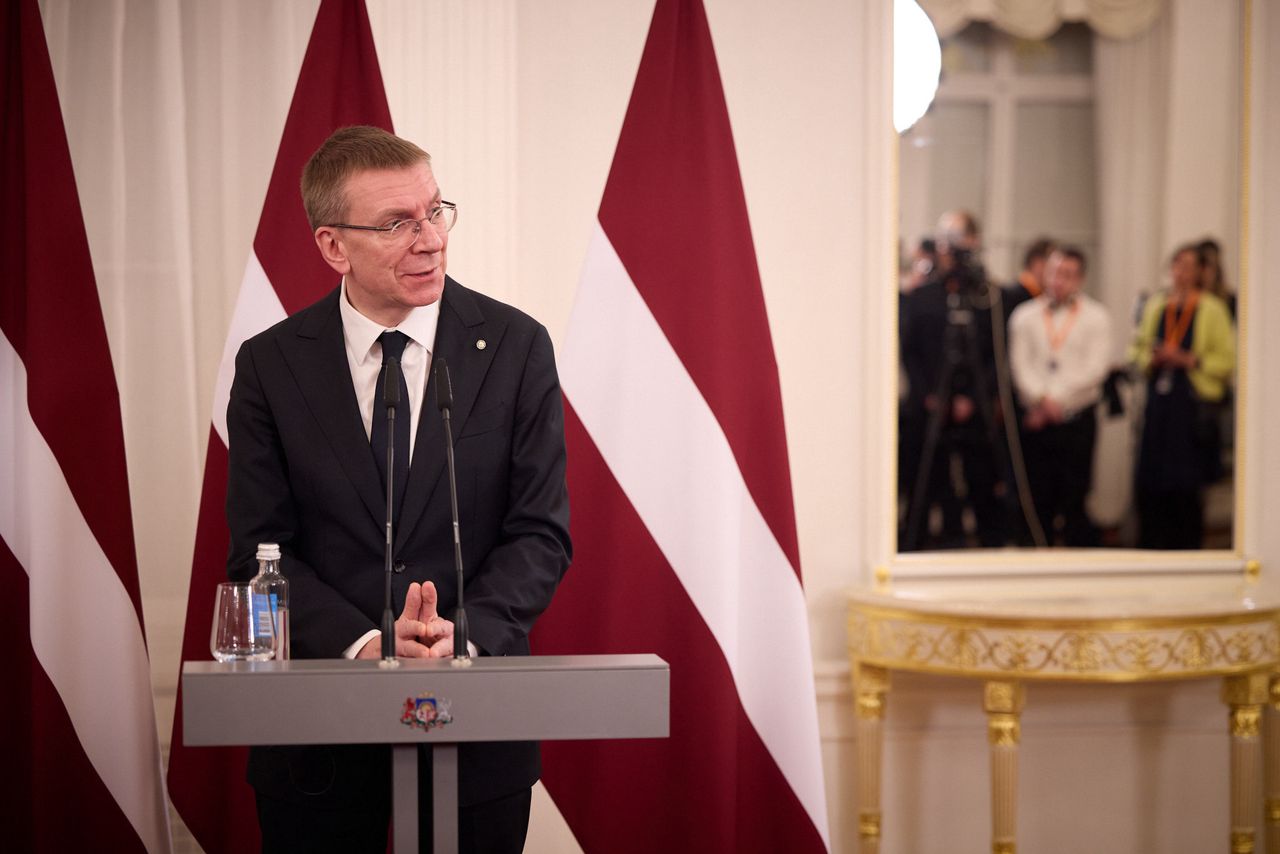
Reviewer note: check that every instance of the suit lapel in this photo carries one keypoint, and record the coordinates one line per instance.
(461, 327)
(317, 356)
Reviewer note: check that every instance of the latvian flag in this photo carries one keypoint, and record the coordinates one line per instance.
(339, 84)
(81, 758)
(683, 527)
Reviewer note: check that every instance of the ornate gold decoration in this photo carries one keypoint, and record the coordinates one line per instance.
(869, 824)
(1242, 842)
(1252, 569)
(1076, 649)
(1004, 847)
(1003, 702)
(1273, 810)
(870, 706)
(1003, 697)
(1249, 689)
(1003, 730)
(870, 685)
(1245, 721)
(882, 577)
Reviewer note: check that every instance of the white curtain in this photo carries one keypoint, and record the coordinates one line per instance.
(1037, 19)
(1131, 108)
(1205, 115)
(173, 113)
(1167, 107)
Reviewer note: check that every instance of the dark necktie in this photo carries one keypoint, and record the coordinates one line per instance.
(393, 344)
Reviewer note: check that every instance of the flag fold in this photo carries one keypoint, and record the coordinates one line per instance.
(683, 524)
(81, 747)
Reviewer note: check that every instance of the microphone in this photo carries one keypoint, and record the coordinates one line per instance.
(391, 400)
(444, 389)
(391, 386)
(444, 401)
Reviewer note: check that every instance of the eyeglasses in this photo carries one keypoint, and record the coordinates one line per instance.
(403, 233)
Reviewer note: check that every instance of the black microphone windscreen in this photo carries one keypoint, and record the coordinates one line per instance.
(391, 384)
(444, 389)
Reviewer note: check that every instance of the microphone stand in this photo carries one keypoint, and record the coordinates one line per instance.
(444, 401)
(390, 399)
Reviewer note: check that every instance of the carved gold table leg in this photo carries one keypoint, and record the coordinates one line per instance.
(1245, 696)
(871, 684)
(1003, 703)
(1271, 770)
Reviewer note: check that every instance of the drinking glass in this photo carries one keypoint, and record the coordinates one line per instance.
(236, 634)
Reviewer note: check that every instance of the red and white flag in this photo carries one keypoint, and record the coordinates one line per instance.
(683, 527)
(81, 756)
(340, 84)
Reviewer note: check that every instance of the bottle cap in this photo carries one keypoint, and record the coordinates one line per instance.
(268, 551)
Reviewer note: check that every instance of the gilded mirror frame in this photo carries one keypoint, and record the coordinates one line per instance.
(1031, 563)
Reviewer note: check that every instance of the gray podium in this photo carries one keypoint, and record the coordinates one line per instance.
(425, 702)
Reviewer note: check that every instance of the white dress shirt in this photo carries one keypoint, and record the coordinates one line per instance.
(364, 357)
(1072, 374)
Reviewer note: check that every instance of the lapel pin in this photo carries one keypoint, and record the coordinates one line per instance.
(481, 344)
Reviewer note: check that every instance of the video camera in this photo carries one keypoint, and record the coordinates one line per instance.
(967, 274)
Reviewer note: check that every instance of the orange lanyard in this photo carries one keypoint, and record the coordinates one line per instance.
(1058, 336)
(1176, 323)
(1029, 282)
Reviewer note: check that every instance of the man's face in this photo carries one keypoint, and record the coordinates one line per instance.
(385, 281)
(1065, 277)
(954, 237)
(954, 229)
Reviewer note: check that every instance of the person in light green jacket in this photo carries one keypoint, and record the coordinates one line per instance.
(1186, 348)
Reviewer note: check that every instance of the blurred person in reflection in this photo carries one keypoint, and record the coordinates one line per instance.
(1031, 279)
(1213, 279)
(1027, 286)
(920, 266)
(1186, 348)
(1058, 344)
(947, 354)
(915, 270)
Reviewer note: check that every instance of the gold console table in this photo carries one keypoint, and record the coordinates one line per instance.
(1007, 642)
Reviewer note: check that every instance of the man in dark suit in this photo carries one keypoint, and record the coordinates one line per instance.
(951, 409)
(303, 473)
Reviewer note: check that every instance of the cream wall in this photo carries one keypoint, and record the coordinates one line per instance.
(174, 112)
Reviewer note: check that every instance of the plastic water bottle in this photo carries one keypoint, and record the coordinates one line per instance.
(271, 599)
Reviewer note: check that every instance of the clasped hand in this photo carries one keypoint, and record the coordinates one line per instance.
(1044, 414)
(420, 631)
(1177, 358)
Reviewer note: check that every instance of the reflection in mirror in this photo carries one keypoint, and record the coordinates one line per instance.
(1070, 225)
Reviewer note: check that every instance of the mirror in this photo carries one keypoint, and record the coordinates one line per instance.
(1085, 160)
